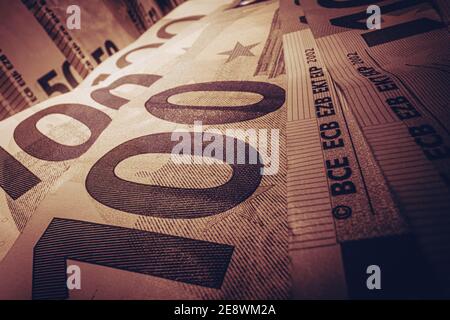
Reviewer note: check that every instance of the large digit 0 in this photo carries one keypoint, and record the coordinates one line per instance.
(167, 202)
(273, 99)
(38, 145)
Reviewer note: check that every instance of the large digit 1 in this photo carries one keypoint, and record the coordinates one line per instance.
(175, 258)
(15, 178)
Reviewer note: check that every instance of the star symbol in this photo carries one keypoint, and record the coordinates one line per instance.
(239, 51)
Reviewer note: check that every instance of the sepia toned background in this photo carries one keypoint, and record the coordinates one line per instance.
(363, 144)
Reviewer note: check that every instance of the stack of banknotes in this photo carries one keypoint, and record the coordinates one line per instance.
(342, 190)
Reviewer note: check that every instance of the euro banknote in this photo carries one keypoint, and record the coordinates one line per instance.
(159, 34)
(390, 104)
(239, 150)
(219, 229)
(49, 47)
(19, 204)
(42, 56)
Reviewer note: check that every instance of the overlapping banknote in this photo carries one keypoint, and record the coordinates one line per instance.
(99, 97)
(368, 147)
(317, 158)
(49, 47)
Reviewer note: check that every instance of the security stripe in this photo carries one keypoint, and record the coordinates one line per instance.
(309, 205)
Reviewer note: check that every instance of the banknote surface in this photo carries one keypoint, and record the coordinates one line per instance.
(383, 79)
(47, 125)
(317, 150)
(161, 32)
(42, 56)
(228, 232)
